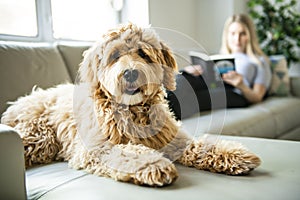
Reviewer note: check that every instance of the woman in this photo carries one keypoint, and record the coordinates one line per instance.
(248, 84)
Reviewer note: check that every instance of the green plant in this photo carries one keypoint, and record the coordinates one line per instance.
(278, 27)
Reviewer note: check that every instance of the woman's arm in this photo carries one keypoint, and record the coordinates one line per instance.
(195, 70)
(253, 95)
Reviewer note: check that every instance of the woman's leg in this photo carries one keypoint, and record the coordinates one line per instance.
(235, 100)
(192, 96)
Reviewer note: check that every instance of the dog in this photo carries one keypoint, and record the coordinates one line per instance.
(115, 121)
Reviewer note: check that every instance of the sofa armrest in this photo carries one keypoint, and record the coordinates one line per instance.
(295, 86)
(12, 168)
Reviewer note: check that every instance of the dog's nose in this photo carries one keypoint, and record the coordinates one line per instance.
(131, 75)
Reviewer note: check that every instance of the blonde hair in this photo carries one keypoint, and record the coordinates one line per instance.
(253, 49)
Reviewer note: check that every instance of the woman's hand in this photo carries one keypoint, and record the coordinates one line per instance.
(253, 95)
(195, 70)
(233, 78)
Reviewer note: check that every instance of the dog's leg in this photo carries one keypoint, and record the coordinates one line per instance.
(39, 140)
(128, 163)
(38, 118)
(28, 117)
(221, 156)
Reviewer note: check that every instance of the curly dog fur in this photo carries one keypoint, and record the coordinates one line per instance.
(116, 122)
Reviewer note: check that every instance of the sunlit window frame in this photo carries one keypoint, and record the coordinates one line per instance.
(44, 25)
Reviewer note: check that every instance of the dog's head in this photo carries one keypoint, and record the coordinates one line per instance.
(129, 65)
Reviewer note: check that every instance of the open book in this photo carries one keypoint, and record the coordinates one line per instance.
(213, 67)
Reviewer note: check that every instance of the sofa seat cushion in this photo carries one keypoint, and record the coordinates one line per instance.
(285, 112)
(277, 178)
(24, 65)
(270, 119)
(56, 174)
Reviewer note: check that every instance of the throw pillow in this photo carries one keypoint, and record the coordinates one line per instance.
(280, 84)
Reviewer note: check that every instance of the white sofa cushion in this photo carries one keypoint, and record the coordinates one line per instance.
(277, 178)
(269, 119)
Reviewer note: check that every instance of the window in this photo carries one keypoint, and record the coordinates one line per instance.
(81, 17)
(18, 18)
(51, 20)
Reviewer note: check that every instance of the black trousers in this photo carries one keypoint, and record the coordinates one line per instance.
(192, 96)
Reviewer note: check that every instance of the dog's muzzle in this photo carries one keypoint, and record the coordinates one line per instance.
(131, 75)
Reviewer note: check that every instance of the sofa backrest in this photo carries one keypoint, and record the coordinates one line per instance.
(72, 56)
(24, 65)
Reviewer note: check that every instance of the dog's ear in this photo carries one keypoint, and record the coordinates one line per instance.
(89, 66)
(170, 67)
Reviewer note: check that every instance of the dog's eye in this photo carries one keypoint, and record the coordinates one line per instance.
(143, 55)
(114, 56)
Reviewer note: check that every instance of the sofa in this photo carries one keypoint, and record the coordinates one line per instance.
(25, 65)
(273, 123)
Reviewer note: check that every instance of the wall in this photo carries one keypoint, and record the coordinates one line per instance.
(211, 15)
(201, 20)
(178, 15)
(198, 23)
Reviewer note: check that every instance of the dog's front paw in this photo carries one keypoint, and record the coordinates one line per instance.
(226, 157)
(237, 161)
(162, 172)
(137, 164)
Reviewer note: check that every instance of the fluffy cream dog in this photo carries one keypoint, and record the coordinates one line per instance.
(116, 122)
